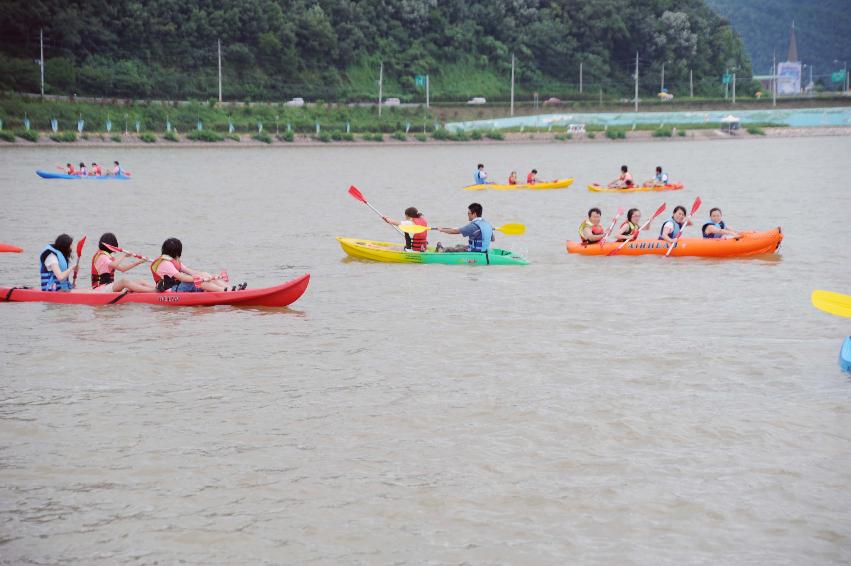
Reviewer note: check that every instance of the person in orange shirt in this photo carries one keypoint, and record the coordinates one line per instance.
(532, 177)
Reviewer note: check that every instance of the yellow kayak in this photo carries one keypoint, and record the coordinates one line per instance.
(669, 187)
(557, 184)
(834, 303)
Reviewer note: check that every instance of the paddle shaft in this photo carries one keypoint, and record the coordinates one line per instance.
(694, 208)
(356, 194)
(644, 226)
(611, 227)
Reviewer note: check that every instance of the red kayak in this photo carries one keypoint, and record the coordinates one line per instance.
(277, 296)
(10, 248)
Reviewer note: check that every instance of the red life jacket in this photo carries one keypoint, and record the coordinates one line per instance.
(96, 171)
(419, 242)
(99, 279)
(164, 283)
(530, 179)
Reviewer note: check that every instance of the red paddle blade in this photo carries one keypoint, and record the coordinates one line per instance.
(659, 210)
(695, 206)
(80, 245)
(353, 190)
(113, 248)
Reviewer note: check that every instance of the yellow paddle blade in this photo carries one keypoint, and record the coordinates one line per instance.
(413, 228)
(833, 303)
(514, 229)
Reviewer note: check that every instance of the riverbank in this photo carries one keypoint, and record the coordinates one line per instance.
(526, 137)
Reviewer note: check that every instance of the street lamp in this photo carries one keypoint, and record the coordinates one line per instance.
(844, 68)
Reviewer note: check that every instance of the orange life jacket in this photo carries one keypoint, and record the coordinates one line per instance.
(164, 283)
(419, 242)
(99, 279)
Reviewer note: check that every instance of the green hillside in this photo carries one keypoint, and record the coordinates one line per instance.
(823, 29)
(331, 49)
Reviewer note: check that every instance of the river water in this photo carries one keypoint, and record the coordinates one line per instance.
(577, 410)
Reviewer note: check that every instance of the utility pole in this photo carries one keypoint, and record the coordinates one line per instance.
(41, 60)
(512, 83)
(690, 83)
(380, 86)
(427, 94)
(726, 85)
(636, 81)
(774, 79)
(580, 77)
(220, 70)
(662, 88)
(734, 86)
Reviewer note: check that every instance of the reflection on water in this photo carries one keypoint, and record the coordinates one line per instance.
(630, 410)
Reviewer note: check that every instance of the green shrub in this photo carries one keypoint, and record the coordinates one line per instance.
(756, 131)
(234, 137)
(148, 137)
(287, 136)
(171, 136)
(421, 137)
(662, 133)
(63, 137)
(475, 135)
(681, 133)
(373, 137)
(399, 136)
(7, 136)
(262, 137)
(29, 135)
(324, 137)
(204, 136)
(460, 136)
(347, 136)
(591, 135)
(116, 138)
(615, 134)
(495, 135)
(441, 134)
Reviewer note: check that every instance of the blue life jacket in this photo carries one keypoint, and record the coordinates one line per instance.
(713, 236)
(478, 178)
(674, 232)
(481, 241)
(48, 279)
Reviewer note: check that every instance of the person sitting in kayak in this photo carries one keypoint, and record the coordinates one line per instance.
(479, 233)
(672, 227)
(659, 180)
(54, 263)
(95, 171)
(590, 230)
(83, 172)
(116, 169)
(480, 177)
(716, 228)
(629, 229)
(171, 275)
(414, 242)
(512, 178)
(69, 169)
(624, 180)
(532, 177)
(104, 266)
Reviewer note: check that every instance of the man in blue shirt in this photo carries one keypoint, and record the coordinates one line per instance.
(479, 233)
(480, 177)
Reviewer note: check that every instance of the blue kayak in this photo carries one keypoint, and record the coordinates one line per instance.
(49, 175)
(845, 355)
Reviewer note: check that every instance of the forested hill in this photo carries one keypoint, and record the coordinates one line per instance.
(330, 49)
(823, 28)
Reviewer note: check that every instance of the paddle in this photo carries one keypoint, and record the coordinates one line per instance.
(80, 245)
(633, 237)
(694, 208)
(223, 276)
(833, 303)
(612, 226)
(131, 254)
(511, 229)
(353, 190)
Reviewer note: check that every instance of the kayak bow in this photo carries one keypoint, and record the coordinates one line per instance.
(387, 252)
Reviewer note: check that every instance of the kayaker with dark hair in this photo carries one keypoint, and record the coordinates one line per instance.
(104, 266)
(116, 169)
(674, 225)
(512, 178)
(480, 177)
(716, 228)
(479, 232)
(54, 263)
(69, 169)
(83, 172)
(659, 180)
(171, 275)
(95, 171)
(623, 181)
(590, 230)
(629, 229)
(532, 177)
(416, 242)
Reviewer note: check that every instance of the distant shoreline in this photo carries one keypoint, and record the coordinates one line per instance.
(132, 140)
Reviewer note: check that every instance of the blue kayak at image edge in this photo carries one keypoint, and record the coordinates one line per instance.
(49, 175)
(845, 355)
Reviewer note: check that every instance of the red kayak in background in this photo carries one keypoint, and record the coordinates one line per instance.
(10, 248)
(277, 296)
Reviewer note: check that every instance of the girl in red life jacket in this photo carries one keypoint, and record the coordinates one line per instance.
(171, 275)
(104, 267)
(629, 229)
(512, 178)
(95, 171)
(69, 169)
(416, 242)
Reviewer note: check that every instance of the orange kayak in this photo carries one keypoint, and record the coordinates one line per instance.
(750, 243)
(10, 248)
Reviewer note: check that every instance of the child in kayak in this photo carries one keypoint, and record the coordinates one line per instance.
(69, 169)
(532, 177)
(716, 228)
(480, 177)
(624, 180)
(54, 263)
(413, 242)
(83, 172)
(590, 230)
(171, 275)
(629, 229)
(95, 171)
(672, 227)
(659, 180)
(512, 178)
(478, 231)
(104, 266)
